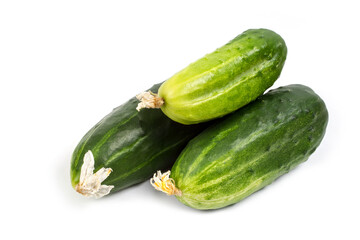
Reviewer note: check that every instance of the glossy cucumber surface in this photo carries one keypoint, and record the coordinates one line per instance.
(250, 148)
(133, 144)
(225, 80)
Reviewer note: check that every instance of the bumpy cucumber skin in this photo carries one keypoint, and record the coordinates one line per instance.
(134, 144)
(250, 148)
(225, 80)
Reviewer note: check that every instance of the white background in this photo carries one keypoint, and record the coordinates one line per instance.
(66, 64)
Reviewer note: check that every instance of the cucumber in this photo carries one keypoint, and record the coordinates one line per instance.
(129, 143)
(222, 81)
(247, 150)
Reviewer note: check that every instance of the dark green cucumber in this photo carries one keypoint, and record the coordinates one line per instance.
(133, 144)
(225, 80)
(250, 148)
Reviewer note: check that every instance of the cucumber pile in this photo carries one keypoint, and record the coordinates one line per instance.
(211, 124)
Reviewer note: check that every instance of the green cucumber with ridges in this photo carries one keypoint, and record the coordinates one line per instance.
(223, 81)
(132, 144)
(249, 149)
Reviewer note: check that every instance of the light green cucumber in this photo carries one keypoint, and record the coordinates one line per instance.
(226, 79)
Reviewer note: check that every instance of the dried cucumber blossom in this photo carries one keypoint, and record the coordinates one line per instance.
(90, 182)
(162, 182)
